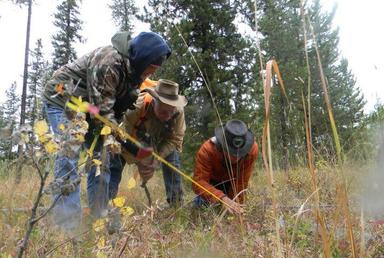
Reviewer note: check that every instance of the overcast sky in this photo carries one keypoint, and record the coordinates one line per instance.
(361, 38)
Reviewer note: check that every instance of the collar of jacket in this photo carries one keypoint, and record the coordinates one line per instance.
(131, 74)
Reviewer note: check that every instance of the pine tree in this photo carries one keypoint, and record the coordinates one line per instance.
(282, 39)
(69, 25)
(11, 105)
(123, 12)
(225, 57)
(4, 134)
(347, 100)
(10, 114)
(349, 108)
(36, 80)
(373, 131)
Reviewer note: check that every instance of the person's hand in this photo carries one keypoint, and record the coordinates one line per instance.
(146, 171)
(143, 153)
(232, 206)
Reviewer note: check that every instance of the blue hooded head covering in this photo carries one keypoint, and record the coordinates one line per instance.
(145, 49)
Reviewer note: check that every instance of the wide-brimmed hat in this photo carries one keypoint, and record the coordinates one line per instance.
(238, 137)
(167, 92)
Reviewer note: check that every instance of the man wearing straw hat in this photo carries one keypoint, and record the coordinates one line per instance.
(224, 164)
(157, 122)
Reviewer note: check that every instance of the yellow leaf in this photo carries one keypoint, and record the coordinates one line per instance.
(101, 243)
(126, 211)
(98, 225)
(51, 147)
(101, 255)
(97, 162)
(106, 130)
(80, 137)
(131, 183)
(43, 138)
(41, 127)
(61, 127)
(119, 201)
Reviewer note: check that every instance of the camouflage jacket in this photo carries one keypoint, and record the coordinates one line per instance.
(143, 124)
(103, 77)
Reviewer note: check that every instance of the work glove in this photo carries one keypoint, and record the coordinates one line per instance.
(146, 171)
(147, 167)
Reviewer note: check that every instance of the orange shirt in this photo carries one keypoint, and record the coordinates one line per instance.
(147, 83)
(211, 166)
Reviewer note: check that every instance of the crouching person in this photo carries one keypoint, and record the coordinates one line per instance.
(224, 164)
(157, 122)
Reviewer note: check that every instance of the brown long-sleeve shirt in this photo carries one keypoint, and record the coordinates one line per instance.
(165, 137)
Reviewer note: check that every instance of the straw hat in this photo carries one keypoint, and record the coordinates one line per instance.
(167, 92)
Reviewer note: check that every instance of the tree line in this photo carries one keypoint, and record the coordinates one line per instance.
(218, 47)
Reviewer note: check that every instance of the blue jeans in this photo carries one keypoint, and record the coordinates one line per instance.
(67, 211)
(225, 187)
(172, 180)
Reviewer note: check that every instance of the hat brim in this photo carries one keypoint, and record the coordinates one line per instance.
(239, 152)
(179, 101)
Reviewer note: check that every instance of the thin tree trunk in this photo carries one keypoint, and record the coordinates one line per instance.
(25, 79)
(34, 218)
(67, 39)
(126, 16)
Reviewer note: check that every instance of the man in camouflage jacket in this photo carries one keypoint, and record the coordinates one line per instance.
(109, 78)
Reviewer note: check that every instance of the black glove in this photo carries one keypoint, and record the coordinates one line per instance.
(136, 151)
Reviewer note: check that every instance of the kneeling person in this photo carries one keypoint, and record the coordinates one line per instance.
(224, 165)
(158, 122)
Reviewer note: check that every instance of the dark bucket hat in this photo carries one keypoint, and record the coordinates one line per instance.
(239, 138)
